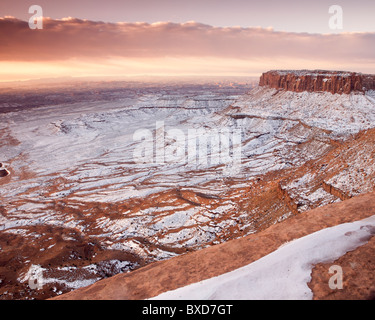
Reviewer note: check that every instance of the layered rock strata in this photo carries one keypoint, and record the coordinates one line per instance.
(318, 80)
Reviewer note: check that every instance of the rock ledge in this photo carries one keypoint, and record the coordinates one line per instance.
(318, 80)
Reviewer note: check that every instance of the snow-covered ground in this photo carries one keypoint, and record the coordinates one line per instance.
(340, 114)
(72, 165)
(83, 153)
(284, 273)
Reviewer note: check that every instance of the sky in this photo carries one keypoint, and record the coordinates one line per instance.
(175, 37)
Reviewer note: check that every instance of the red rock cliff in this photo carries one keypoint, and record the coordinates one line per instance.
(318, 80)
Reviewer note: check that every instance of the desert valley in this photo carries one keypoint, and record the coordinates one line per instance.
(85, 204)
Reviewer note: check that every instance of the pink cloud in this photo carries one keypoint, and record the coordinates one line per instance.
(74, 38)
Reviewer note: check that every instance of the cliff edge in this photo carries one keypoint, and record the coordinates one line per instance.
(340, 82)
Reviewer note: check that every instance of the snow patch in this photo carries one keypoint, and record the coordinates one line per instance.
(284, 273)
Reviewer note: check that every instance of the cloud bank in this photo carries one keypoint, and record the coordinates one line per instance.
(80, 47)
(73, 38)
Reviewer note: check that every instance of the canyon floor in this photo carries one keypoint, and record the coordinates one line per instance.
(77, 208)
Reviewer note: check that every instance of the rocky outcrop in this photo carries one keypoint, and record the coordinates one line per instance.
(334, 191)
(284, 196)
(318, 80)
(4, 173)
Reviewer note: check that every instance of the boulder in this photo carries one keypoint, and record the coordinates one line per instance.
(4, 173)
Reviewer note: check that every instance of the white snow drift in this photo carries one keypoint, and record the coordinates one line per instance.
(284, 273)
